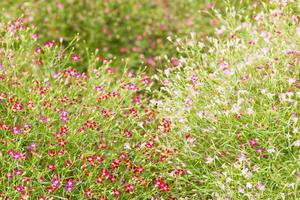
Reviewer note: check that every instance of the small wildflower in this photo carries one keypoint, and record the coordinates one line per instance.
(175, 62)
(297, 143)
(16, 130)
(260, 150)
(253, 142)
(129, 188)
(51, 167)
(75, 58)
(260, 186)
(38, 50)
(69, 185)
(240, 189)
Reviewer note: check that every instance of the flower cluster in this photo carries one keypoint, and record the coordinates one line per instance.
(72, 134)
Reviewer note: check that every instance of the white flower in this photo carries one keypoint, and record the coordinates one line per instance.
(294, 117)
(271, 150)
(221, 30)
(201, 45)
(297, 143)
(209, 159)
(263, 91)
(228, 180)
(241, 157)
(291, 81)
(190, 43)
(200, 114)
(249, 185)
(127, 146)
(235, 109)
(250, 111)
(298, 30)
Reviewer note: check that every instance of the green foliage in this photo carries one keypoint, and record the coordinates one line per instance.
(135, 30)
(220, 121)
(233, 107)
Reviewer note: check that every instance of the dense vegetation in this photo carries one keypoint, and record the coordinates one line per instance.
(146, 99)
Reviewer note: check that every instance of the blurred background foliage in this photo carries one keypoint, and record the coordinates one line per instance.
(135, 30)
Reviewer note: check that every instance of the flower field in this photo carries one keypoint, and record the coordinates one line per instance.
(162, 99)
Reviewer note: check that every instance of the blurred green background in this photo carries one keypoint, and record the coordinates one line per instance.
(134, 30)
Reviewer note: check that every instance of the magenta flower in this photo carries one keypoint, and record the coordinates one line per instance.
(20, 189)
(55, 182)
(18, 171)
(69, 184)
(260, 150)
(75, 58)
(253, 142)
(132, 87)
(16, 130)
(38, 50)
(129, 188)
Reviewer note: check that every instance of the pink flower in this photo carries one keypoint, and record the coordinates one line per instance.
(39, 62)
(150, 61)
(136, 100)
(175, 62)
(260, 150)
(88, 193)
(104, 172)
(294, 118)
(64, 116)
(130, 74)
(51, 167)
(132, 86)
(163, 186)
(49, 44)
(26, 126)
(146, 80)
(16, 130)
(69, 188)
(189, 139)
(178, 172)
(38, 50)
(271, 150)
(75, 58)
(17, 107)
(240, 189)
(20, 189)
(116, 192)
(17, 155)
(123, 50)
(129, 188)
(18, 171)
(253, 142)
(69, 184)
(138, 169)
(260, 186)
(55, 182)
(194, 79)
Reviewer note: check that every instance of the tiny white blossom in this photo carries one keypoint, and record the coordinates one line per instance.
(297, 143)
